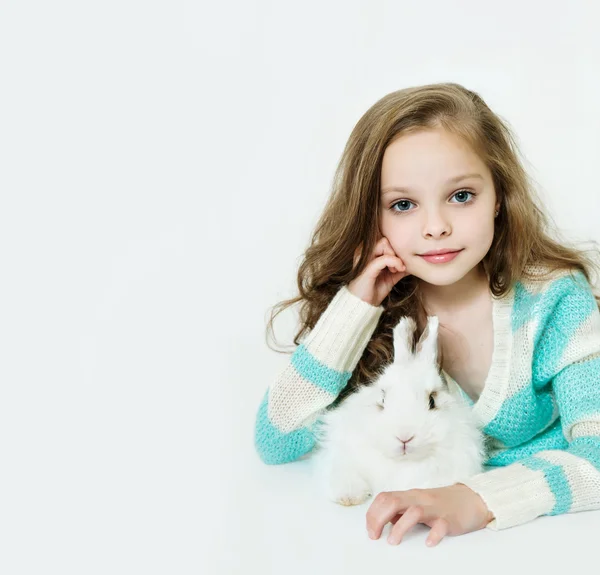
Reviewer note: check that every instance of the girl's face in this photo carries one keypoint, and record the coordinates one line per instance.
(445, 200)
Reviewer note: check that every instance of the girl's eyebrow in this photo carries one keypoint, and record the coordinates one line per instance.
(454, 180)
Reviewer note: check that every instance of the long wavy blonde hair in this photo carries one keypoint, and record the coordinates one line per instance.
(524, 235)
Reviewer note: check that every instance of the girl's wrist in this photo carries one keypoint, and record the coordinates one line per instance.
(484, 510)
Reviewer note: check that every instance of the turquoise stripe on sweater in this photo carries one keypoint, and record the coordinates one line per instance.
(552, 438)
(578, 391)
(276, 447)
(569, 306)
(587, 447)
(521, 416)
(318, 373)
(557, 481)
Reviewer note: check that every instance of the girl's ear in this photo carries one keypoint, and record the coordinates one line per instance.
(429, 341)
(403, 337)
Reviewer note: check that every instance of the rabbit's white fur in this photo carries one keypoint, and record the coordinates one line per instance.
(359, 452)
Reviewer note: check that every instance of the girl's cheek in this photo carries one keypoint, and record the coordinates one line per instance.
(401, 247)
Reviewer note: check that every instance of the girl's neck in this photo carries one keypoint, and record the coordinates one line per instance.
(459, 295)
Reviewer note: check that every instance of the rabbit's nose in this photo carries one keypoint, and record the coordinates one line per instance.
(406, 440)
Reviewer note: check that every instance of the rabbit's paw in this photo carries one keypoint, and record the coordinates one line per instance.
(349, 490)
(348, 500)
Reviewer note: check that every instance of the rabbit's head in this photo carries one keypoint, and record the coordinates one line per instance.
(408, 411)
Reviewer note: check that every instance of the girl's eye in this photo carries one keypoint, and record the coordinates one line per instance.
(403, 206)
(463, 196)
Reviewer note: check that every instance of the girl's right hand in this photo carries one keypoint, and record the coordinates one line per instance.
(382, 273)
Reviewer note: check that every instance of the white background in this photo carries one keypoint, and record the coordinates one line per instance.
(162, 164)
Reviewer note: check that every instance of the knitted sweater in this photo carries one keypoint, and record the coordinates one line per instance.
(539, 408)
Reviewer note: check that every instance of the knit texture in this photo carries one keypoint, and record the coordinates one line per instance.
(318, 370)
(539, 406)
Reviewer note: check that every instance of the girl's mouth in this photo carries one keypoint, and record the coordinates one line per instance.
(440, 257)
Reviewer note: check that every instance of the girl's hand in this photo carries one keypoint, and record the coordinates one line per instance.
(382, 273)
(451, 510)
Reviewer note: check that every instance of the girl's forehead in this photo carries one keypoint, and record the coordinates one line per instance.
(428, 174)
(415, 155)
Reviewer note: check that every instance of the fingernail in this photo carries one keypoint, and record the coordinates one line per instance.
(392, 540)
(371, 534)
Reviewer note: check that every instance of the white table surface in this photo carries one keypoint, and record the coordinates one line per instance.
(283, 525)
(159, 475)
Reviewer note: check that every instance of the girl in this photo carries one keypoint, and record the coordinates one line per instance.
(432, 213)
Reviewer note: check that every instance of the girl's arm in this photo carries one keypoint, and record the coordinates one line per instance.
(555, 481)
(316, 373)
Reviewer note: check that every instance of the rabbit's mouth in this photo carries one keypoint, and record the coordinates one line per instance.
(406, 446)
(412, 452)
(403, 451)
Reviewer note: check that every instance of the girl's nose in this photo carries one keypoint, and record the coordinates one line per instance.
(436, 226)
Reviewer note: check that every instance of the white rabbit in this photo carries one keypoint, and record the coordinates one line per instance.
(404, 431)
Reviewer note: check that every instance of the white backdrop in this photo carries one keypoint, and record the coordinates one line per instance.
(162, 165)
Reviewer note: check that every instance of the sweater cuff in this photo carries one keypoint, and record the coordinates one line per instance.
(343, 331)
(514, 494)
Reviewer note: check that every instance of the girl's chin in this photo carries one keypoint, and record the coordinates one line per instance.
(440, 277)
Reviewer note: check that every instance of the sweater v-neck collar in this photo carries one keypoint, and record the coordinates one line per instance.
(493, 393)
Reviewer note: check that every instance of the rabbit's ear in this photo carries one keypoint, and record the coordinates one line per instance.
(428, 345)
(403, 336)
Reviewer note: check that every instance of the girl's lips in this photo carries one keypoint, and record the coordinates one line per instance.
(441, 258)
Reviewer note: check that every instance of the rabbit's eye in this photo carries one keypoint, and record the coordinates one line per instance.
(382, 401)
(431, 401)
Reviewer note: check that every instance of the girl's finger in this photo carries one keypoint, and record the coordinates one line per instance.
(380, 247)
(439, 530)
(382, 262)
(397, 270)
(385, 507)
(413, 515)
(387, 249)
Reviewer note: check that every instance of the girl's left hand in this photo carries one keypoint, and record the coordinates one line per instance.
(452, 510)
